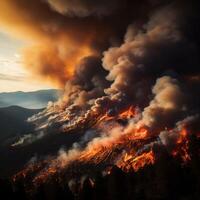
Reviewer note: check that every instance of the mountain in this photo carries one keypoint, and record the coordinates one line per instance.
(13, 122)
(32, 100)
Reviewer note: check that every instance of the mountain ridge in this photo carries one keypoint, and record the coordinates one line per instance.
(13, 122)
(32, 100)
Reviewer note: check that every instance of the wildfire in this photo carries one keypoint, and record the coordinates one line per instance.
(132, 162)
(121, 146)
(129, 113)
(124, 114)
(124, 102)
(182, 146)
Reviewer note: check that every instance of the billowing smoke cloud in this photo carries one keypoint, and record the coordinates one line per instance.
(63, 32)
(59, 42)
(149, 52)
(167, 105)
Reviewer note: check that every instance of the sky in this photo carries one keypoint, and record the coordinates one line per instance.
(13, 76)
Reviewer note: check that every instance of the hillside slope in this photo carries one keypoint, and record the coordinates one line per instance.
(13, 122)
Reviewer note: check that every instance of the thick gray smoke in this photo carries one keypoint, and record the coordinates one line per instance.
(158, 47)
(167, 106)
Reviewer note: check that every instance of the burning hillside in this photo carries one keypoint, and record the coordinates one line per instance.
(119, 140)
(131, 88)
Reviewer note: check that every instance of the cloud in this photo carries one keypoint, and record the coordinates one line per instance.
(6, 77)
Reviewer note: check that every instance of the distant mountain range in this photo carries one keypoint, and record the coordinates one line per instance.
(32, 100)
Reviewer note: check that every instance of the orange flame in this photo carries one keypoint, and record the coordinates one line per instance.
(131, 162)
(182, 146)
(124, 114)
(129, 113)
